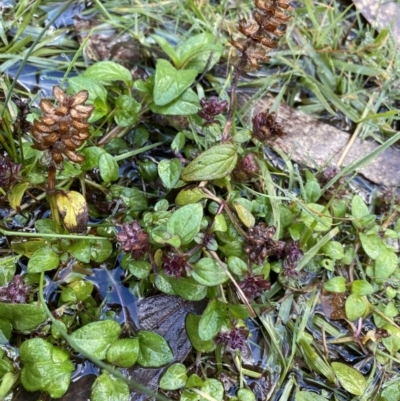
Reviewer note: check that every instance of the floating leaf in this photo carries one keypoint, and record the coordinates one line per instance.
(73, 210)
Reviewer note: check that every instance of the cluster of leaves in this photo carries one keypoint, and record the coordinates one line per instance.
(209, 222)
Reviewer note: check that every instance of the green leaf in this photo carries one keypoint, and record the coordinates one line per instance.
(351, 379)
(212, 320)
(208, 272)
(195, 52)
(216, 162)
(333, 250)
(81, 250)
(109, 170)
(100, 250)
(391, 343)
(188, 288)
(179, 142)
(139, 268)
(127, 111)
(132, 198)
(174, 378)
(308, 396)
(214, 389)
(96, 337)
(336, 284)
(358, 207)
(169, 172)
(189, 195)
(192, 329)
(42, 260)
(312, 191)
(185, 222)
(361, 287)
(124, 352)
(23, 317)
(356, 306)
(170, 83)
(324, 221)
(237, 265)
(106, 72)
(82, 288)
(184, 105)
(45, 367)
(154, 351)
(371, 244)
(93, 86)
(385, 264)
(49, 226)
(7, 269)
(92, 156)
(109, 388)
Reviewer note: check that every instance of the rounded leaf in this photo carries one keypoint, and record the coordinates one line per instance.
(123, 352)
(174, 378)
(154, 351)
(351, 379)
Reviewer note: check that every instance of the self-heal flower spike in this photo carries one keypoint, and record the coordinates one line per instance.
(269, 23)
(235, 339)
(175, 266)
(253, 286)
(134, 240)
(260, 243)
(17, 292)
(265, 127)
(211, 107)
(62, 130)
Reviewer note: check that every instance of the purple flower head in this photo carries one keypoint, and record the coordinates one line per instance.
(253, 286)
(8, 172)
(265, 127)
(17, 292)
(133, 239)
(233, 340)
(175, 265)
(211, 107)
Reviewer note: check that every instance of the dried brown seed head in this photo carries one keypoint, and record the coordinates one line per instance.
(63, 129)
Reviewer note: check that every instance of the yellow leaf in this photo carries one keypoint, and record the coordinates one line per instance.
(73, 211)
(16, 194)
